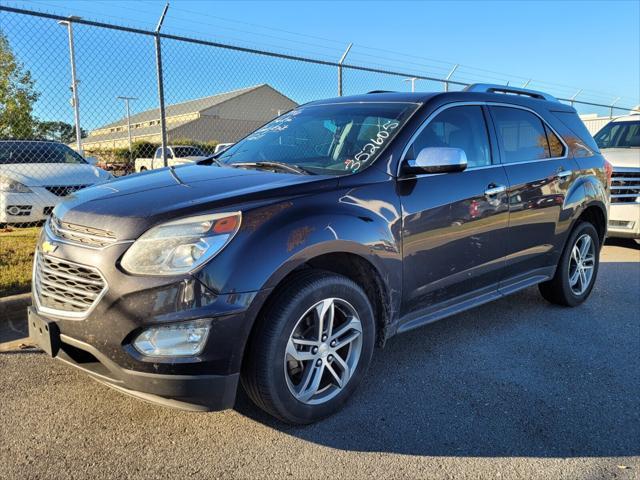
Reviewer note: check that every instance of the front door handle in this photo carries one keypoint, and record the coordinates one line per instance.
(495, 190)
(563, 174)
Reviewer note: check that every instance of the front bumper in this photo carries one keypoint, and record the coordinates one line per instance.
(189, 392)
(36, 206)
(624, 220)
(100, 341)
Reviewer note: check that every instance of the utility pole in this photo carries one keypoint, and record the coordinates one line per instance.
(413, 82)
(163, 126)
(75, 102)
(126, 103)
(344, 55)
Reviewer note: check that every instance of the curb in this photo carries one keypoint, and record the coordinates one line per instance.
(14, 306)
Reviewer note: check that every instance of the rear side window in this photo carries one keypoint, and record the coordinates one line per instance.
(459, 127)
(572, 122)
(523, 137)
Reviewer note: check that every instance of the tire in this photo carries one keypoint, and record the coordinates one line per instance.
(275, 380)
(561, 289)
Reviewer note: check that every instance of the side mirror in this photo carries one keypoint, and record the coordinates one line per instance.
(437, 160)
(91, 160)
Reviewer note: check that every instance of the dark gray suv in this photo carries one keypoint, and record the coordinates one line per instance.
(281, 261)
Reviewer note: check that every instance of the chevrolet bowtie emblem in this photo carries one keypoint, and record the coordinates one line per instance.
(48, 247)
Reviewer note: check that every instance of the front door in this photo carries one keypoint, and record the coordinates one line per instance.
(454, 224)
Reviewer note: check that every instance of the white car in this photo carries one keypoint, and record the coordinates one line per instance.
(36, 175)
(619, 142)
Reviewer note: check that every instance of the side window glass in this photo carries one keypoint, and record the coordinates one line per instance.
(158, 153)
(556, 148)
(458, 127)
(169, 153)
(521, 135)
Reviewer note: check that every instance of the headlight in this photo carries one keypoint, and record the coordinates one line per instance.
(178, 340)
(9, 185)
(182, 245)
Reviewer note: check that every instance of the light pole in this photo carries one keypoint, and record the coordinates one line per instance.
(126, 103)
(413, 82)
(75, 102)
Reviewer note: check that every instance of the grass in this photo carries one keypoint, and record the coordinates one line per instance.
(16, 259)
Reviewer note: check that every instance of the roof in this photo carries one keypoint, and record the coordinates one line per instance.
(135, 132)
(184, 108)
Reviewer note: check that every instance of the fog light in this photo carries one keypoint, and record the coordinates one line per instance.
(178, 340)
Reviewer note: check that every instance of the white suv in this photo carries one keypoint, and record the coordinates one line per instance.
(619, 142)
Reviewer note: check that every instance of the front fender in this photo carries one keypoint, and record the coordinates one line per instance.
(276, 239)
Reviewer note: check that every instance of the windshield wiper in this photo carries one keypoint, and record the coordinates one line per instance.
(209, 160)
(287, 167)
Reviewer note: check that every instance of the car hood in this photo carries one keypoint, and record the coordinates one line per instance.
(622, 157)
(58, 174)
(130, 205)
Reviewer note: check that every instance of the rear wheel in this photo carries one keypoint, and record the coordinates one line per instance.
(311, 348)
(577, 269)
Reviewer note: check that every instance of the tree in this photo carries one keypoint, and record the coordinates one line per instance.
(17, 95)
(58, 131)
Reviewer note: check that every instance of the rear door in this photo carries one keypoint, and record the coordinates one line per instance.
(540, 175)
(454, 224)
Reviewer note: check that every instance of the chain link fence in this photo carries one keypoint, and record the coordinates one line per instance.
(60, 72)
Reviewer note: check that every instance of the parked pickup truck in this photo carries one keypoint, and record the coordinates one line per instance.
(176, 155)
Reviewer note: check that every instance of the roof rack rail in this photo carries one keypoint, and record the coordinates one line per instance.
(380, 91)
(490, 88)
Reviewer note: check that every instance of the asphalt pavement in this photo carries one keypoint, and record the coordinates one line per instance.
(514, 389)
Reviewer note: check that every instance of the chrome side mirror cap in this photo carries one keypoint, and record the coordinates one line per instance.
(437, 160)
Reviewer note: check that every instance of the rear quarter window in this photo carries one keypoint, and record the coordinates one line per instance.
(574, 124)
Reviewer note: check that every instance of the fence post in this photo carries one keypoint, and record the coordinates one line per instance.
(611, 107)
(344, 55)
(574, 97)
(446, 80)
(163, 126)
(526, 84)
(75, 101)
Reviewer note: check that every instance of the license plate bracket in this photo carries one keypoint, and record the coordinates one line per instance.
(43, 333)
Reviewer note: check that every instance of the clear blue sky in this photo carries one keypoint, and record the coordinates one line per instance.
(561, 46)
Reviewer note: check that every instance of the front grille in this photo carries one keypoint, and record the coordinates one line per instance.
(64, 190)
(66, 288)
(89, 236)
(625, 185)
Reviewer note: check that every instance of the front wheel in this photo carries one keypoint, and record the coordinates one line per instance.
(577, 270)
(311, 347)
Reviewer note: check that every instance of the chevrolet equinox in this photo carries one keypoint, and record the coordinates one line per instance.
(281, 262)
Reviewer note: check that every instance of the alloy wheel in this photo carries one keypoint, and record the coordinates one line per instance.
(323, 351)
(582, 264)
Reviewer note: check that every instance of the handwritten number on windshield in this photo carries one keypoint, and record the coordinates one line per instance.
(374, 144)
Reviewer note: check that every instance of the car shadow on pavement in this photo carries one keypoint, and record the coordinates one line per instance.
(518, 377)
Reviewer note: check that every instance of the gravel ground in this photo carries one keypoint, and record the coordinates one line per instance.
(513, 389)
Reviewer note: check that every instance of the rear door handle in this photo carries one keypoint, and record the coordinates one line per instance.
(563, 174)
(495, 190)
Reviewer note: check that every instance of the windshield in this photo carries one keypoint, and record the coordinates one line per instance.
(334, 139)
(181, 152)
(619, 135)
(37, 152)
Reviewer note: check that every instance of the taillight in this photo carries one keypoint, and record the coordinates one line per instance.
(608, 168)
